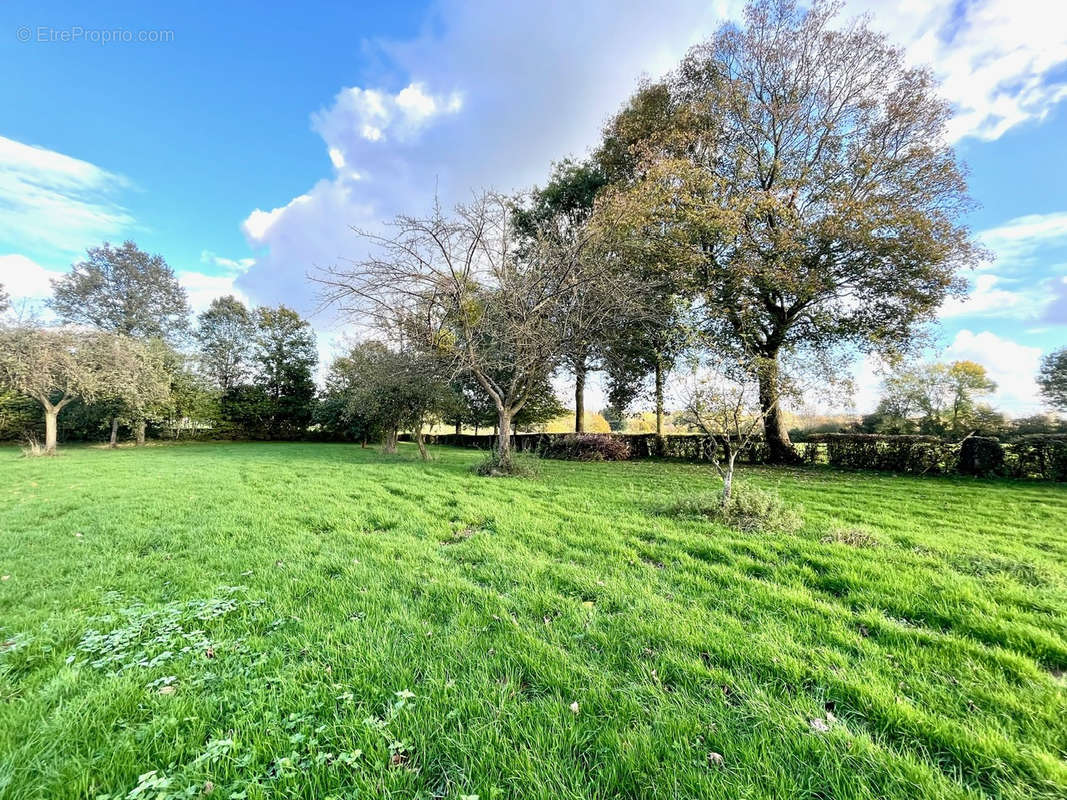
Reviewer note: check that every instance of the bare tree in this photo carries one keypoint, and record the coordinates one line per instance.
(724, 403)
(458, 286)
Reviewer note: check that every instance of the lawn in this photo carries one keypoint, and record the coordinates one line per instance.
(317, 620)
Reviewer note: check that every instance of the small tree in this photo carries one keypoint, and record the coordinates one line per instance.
(458, 286)
(943, 396)
(724, 404)
(57, 366)
(376, 390)
(1052, 379)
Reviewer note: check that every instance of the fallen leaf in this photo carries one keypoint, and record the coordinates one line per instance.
(209, 787)
(715, 759)
(819, 725)
(574, 707)
(167, 689)
(5, 577)
(210, 652)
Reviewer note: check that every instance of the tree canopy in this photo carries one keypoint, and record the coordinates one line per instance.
(123, 290)
(798, 181)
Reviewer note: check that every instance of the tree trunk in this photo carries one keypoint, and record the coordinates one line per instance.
(389, 440)
(728, 480)
(659, 397)
(139, 428)
(503, 441)
(458, 427)
(420, 440)
(579, 398)
(51, 416)
(779, 448)
(114, 432)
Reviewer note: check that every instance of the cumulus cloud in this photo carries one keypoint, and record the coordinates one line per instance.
(51, 202)
(487, 96)
(25, 279)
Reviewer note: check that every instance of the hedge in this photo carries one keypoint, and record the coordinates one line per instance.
(1041, 456)
(684, 447)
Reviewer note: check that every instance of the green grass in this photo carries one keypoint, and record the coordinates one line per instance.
(302, 620)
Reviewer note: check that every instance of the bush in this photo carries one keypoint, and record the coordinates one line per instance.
(1040, 456)
(521, 465)
(587, 447)
(981, 456)
(749, 510)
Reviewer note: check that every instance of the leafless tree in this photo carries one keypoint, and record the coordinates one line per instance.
(457, 285)
(723, 402)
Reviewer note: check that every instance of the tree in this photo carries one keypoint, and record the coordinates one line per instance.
(652, 336)
(123, 290)
(57, 366)
(380, 391)
(802, 184)
(944, 397)
(5, 300)
(1052, 379)
(725, 404)
(459, 286)
(225, 339)
(285, 357)
(126, 291)
(558, 213)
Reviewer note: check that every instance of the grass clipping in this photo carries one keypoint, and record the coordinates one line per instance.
(749, 510)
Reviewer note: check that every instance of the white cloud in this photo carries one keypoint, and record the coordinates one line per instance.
(25, 279)
(1012, 365)
(1017, 241)
(203, 288)
(1000, 61)
(988, 298)
(55, 203)
(238, 265)
(376, 116)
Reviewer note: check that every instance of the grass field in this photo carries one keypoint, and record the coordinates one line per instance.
(313, 621)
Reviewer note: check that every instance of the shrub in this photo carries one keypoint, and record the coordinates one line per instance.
(587, 447)
(748, 510)
(521, 465)
(981, 456)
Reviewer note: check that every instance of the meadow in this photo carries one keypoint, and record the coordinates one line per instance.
(285, 620)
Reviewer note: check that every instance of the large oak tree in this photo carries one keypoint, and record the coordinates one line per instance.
(800, 183)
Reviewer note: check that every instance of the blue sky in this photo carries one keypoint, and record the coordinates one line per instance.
(245, 144)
